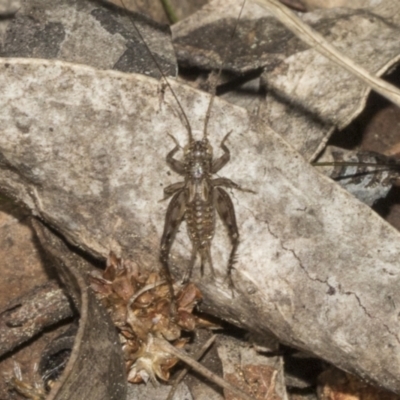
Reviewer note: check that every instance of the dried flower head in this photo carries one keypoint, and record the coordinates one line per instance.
(140, 306)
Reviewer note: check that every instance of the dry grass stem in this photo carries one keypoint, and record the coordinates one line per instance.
(317, 41)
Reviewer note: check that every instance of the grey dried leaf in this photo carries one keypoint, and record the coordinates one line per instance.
(307, 94)
(149, 392)
(368, 181)
(316, 267)
(155, 9)
(88, 33)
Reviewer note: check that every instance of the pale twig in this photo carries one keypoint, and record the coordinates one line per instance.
(169, 348)
(318, 42)
(144, 289)
(272, 385)
(183, 373)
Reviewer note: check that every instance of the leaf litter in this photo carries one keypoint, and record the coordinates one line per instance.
(42, 205)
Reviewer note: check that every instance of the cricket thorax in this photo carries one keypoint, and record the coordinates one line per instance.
(198, 159)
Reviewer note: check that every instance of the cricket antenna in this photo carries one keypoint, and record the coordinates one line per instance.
(164, 77)
(216, 79)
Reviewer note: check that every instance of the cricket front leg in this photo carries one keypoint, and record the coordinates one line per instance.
(175, 164)
(226, 211)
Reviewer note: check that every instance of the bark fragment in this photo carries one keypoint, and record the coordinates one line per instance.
(95, 368)
(28, 315)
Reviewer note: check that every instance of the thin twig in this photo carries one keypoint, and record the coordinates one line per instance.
(144, 289)
(169, 348)
(272, 384)
(183, 373)
(169, 11)
(318, 42)
(354, 164)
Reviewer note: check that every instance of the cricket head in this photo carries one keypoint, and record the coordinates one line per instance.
(199, 150)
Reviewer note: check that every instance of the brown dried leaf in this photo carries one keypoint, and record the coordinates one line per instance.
(188, 297)
(262, 377)
(257, 380)
(339, 385)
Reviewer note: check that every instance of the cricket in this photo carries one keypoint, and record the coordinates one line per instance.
(199, 198)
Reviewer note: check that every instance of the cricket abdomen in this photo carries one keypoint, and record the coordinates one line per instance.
(200, 219)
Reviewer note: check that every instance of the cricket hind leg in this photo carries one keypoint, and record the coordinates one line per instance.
(174, 216)
(205, 256)
(189, 271)
(226, 211)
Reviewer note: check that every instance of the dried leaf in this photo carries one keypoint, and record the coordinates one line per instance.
(339, 385)
(147, 312)
(369, 181)
(315, 267)
(262, 377)
(87, 32)
(308, 95)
